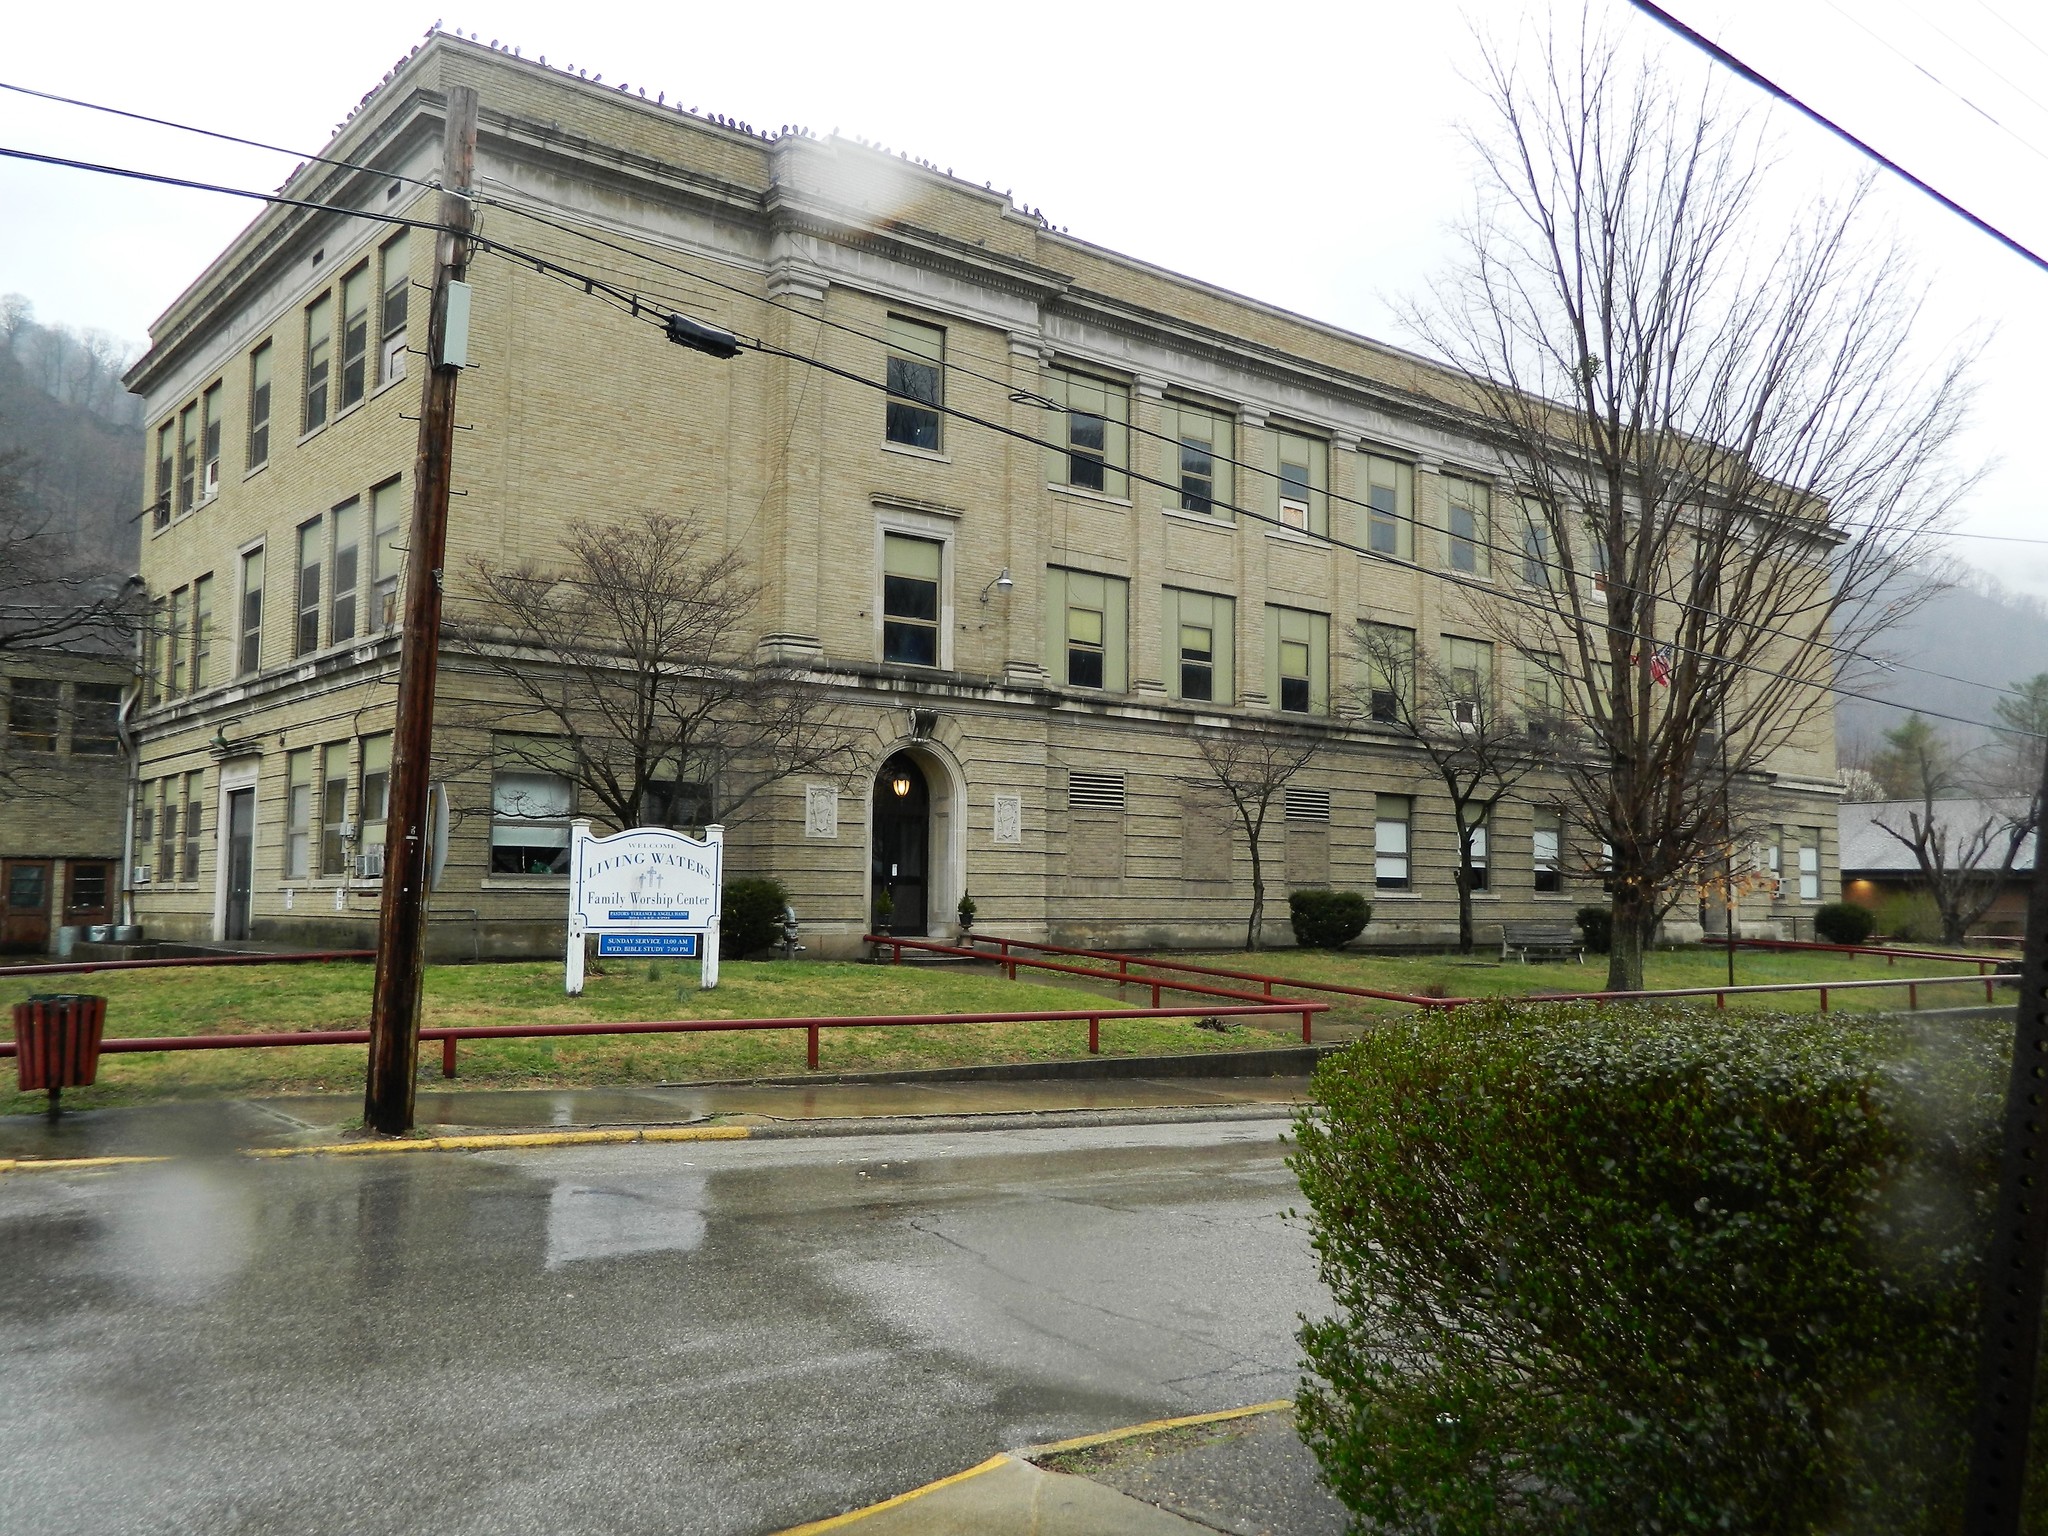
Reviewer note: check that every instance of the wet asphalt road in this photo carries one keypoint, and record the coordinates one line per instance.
(711, 1337)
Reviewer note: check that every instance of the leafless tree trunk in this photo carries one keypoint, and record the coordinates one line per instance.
(1250, 765)
(1722, 438)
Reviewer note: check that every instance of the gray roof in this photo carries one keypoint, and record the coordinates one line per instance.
(1867, 848)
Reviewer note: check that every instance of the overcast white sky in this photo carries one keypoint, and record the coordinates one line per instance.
(1312, 162)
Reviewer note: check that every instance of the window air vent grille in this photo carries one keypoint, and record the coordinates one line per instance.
(1308, 804)
(1095, 791)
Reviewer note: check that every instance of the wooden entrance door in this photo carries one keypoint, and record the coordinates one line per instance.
(25, 905)
(88, 892)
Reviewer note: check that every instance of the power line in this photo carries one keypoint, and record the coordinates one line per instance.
(2015, 31)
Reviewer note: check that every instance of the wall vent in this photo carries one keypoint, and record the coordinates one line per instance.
(1095, 791)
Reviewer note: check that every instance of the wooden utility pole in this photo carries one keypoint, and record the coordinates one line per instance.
(402, 919)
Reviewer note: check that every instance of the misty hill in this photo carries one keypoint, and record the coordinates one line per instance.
(62, 403)
(1978, 630)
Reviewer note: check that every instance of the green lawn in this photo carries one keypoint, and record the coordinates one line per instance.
(259, 999)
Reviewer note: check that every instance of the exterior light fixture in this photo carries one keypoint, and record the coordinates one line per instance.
(900, 786)
(699, 337)
(1001, 584)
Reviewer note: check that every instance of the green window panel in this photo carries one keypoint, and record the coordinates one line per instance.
(1298, 660)
(1087, 630)
(1200, 632)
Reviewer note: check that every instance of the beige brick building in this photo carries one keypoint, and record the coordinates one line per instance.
(1046, 720)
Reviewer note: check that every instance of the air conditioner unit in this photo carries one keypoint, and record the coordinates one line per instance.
(370, 864)
(212, 478)
(1294, 514)
(140, 875)
(1465, 713)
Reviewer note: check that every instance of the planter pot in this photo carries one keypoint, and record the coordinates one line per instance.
(57, 1040)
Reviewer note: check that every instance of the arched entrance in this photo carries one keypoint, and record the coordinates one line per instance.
(901, 847)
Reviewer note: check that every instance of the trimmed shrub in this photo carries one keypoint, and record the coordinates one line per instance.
(1843, 922)
(1327, 919)
(751, 919)
(1623, 1271)
(1597, 925)
(1913, 917)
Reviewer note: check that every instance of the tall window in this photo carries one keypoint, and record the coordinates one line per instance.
(1809, 863)
(1468, 666)
(202, 631)
(355, 335)
(1390, 506)
(1298, 660)
(145, 820)
(33, 710)
(1390, 842)
(396, 271)
(307, 635)
(386, 510)
(1548, 850)
(1390, 670)
(181, 616)
(348, 544)
(529, 822)
(1200, 638)
(917, 354)
(1539, 569)
(1482, 879)
(166, 474)
(259, 405)
(910, 600)
(1094, 426)
(334, 808)
(1543, 693)
(298, 815)
(1087, 625)
(154, 677)
(167, 828)
(249, 656)
(1304, 481)
(194, 820)
(96, 719)
(188, 458)
(373, 803)
(319, 359)
(1199, 445)
(1466, 519)
(209, 443)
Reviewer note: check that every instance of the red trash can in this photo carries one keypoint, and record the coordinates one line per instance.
(57, 1040)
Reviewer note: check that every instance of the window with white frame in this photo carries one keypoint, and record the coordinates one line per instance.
(1809, 863)
(916, 383)
(1093, 425)
(911, 572)
(1390, 871)
(530, 812)
(298, 814)
(1548, 850)
(249, 655)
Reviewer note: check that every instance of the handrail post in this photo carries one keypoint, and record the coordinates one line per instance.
(1307, 1034)
(1094, 1034)
(811, 1053)
(1721, 1000)
(1155, 994)
(448, 1057)
(1823, 999)
(1912, 997)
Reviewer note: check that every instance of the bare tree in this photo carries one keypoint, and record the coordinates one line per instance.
(1249, 766)
(629, 668)
(1720, 440)
(1457, 713)
(56, 593)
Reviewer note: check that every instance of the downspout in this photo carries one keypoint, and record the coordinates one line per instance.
(128, 702)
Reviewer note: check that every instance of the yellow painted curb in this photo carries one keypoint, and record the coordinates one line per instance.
(1153, 1427)
(839, 1522)
(696, 1133)
(69, 1164)
(510, 1139)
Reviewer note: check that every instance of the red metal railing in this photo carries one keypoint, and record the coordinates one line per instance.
(450, 1034)
(1891, 954)
(1120, 976)
(86, 967)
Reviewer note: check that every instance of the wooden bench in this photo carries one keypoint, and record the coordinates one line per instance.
(1545, 940)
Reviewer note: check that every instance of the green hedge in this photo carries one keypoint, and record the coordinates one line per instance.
(1327, 919)
(1843, 922)
(751, 918)
(1627, 1271)
(1597, 924)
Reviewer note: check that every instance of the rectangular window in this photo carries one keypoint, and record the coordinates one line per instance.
(188, 459)
(685, 804)
(1481, 877)
(33, 710)
(1596, 561)
(343, 568)
(167, 828)
(249, 655)
(181, 616)
(1390, 506)
(319, 358)
(259, 405)
(1298, 660)
(529, 823)
(195, 784)
(145, 824)
(1774, 870)
(1199, 445)
(1809, 863)
(1390, 670)
(298, 814)
(1468, 669)
(1200, 638)
(1087, 625)
(1539, 569)
(1390, 842)
(917, 354)
(202, 632)
(396, 269)
(96, 719)
(1304, 481)
(355, 335)
(1467, 518)
(153, 677)
(1095, 426)
(373, 805)
(307, 635)
(910, 600)
(334, 808)
(1548, 850)
(386, 512)
(209, 443)
(166, 474)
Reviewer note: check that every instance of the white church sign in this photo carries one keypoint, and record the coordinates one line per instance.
(645, 891)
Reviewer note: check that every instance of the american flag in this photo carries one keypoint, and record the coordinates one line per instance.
(1660, 665)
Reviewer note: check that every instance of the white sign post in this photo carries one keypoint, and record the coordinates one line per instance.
(646, 891)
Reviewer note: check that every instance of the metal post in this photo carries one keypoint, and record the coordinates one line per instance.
(811, 1048)
(1094, 1035)
(402, 919)
(448, 1057)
